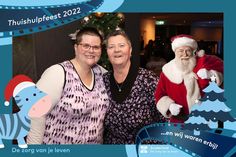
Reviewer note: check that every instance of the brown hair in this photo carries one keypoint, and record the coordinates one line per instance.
(88, 31)
(118, 32)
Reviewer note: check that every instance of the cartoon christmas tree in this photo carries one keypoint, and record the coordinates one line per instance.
(210, 111)
(196, 123)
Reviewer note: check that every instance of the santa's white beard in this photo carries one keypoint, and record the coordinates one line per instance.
(185, 65)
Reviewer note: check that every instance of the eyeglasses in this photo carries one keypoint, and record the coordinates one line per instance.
(87, 47)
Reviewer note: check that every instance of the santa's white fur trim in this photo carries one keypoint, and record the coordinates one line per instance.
(163, 105)
(190, 81)
(184, 41)
(192, 88)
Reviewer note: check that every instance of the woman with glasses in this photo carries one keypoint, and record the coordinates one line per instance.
(78, 94)
(131, 93)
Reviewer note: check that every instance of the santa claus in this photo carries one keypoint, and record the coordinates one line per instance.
(183, 78)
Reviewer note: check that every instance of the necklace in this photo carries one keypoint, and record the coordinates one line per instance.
(119, 86)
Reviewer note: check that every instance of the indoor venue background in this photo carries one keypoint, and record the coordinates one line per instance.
(150, 34)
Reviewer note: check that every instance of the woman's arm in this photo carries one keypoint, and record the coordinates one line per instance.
(52, 83)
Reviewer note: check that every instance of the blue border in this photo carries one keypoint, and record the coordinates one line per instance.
(15, 4)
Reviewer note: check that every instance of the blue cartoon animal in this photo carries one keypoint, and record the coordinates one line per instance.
(32, 103)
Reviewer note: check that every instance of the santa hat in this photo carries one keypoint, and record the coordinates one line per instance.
(183, 40)
(15, 85)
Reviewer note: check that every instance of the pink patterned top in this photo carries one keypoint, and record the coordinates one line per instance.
(78, 117)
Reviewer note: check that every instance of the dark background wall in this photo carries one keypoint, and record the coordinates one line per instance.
(132, 28)
(32, 54)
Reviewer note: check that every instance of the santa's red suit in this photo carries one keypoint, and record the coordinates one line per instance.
(184, 89)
